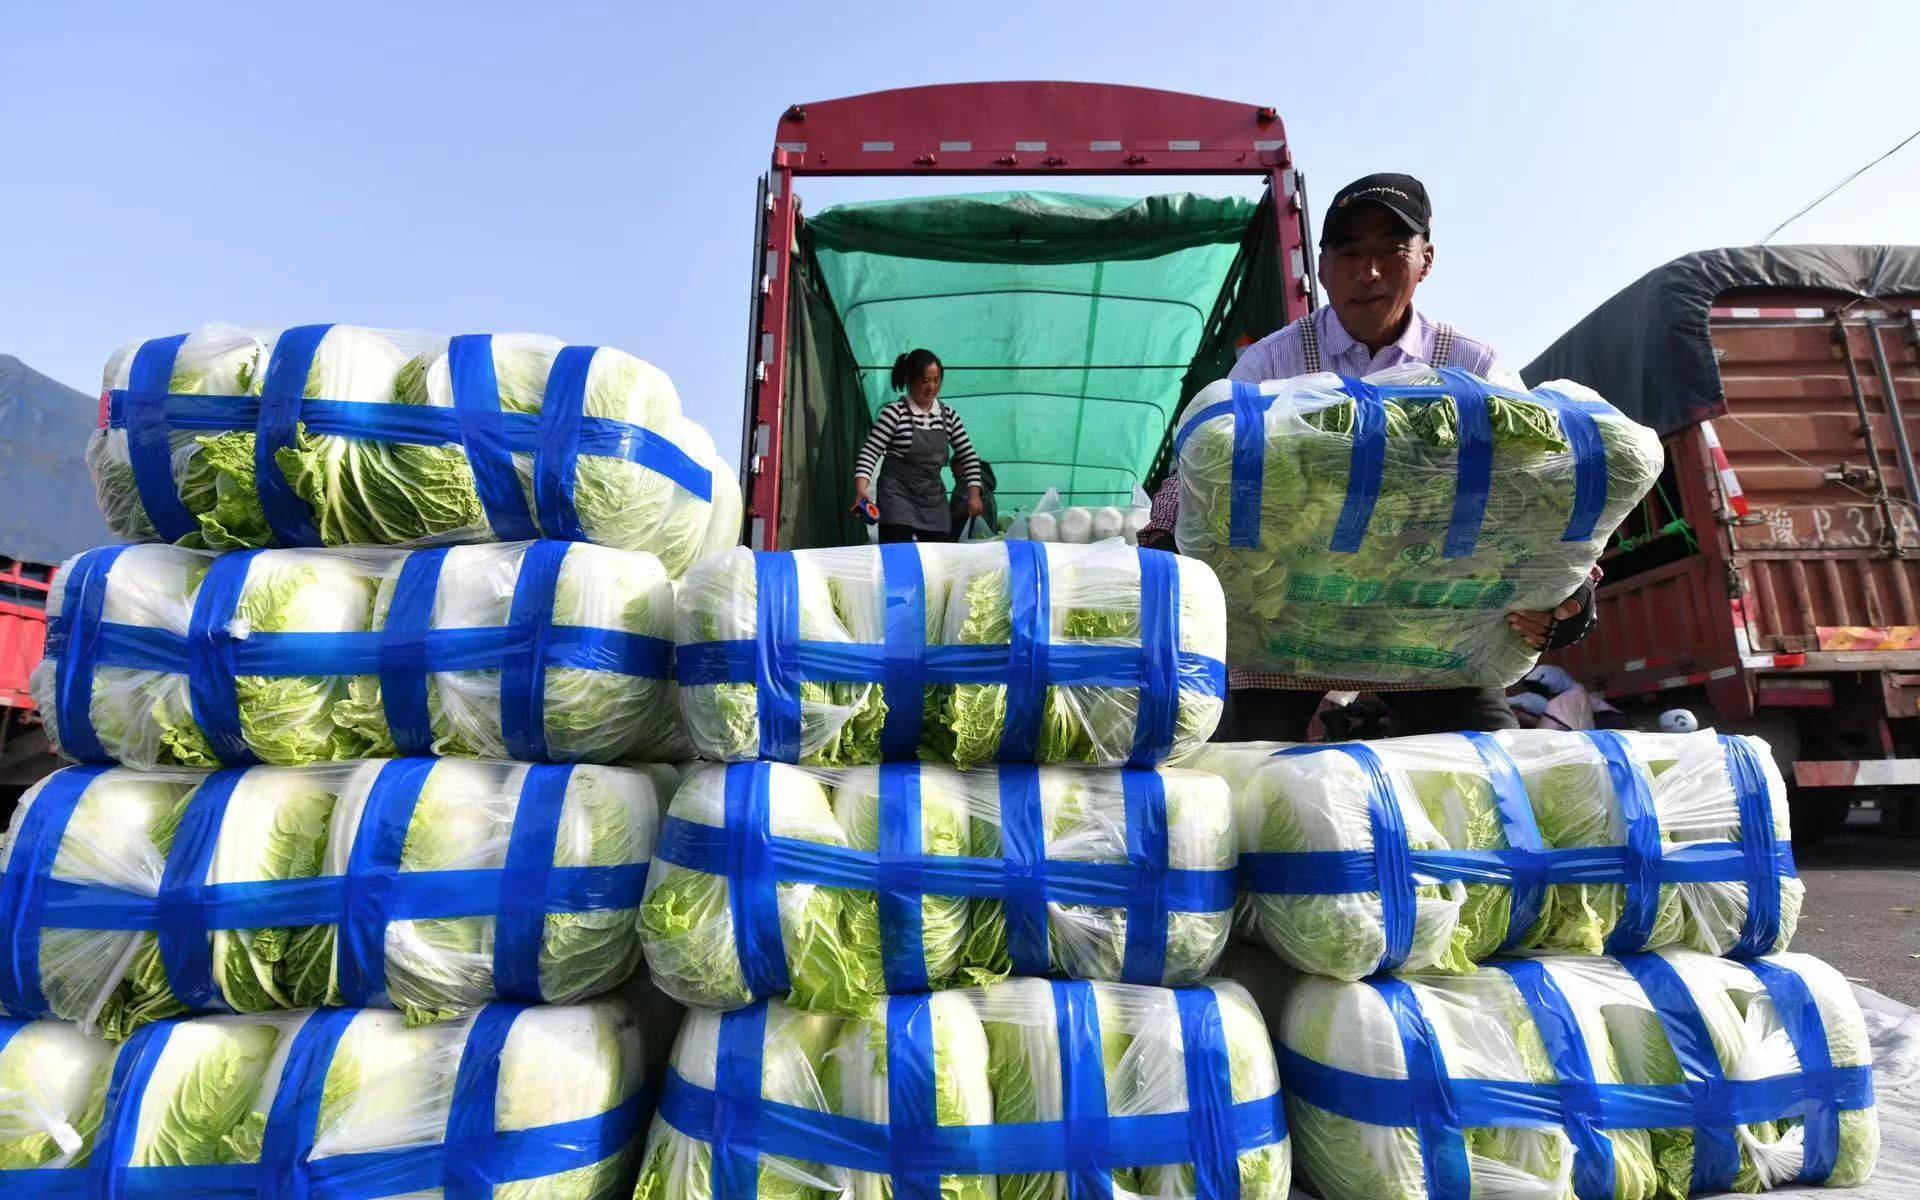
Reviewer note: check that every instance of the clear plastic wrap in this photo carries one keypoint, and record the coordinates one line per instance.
(834, 887)
(1433, 853)
(1028, 1090)
(1393, 556)
(1051, 521)
(535, 651)
(428, 885)
(1007, 651)
(1651, 1076)
(515, 1103)
(51, 1076)
(334, 435)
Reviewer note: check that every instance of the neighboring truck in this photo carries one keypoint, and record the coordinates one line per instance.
(1072, 327)
(1769, 582)
(46, 515)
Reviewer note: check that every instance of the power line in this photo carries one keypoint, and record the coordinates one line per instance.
(1821, 199)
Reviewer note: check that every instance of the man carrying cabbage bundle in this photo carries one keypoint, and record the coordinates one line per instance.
(1375, 249)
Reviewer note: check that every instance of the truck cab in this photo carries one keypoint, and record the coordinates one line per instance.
(1072, 325)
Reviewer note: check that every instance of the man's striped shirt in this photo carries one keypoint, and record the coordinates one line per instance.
(892, 433)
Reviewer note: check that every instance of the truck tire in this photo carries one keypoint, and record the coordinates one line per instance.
(1816, 813)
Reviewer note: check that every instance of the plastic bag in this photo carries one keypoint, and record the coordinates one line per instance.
(768, 881)
(1095, 1088)
(517, 1102)
(287, 887)
(1052, 521)
(1603, 1079)
(531, 651)
(338, 435)
(968, 654)
(1395, 560)
(1436, 852)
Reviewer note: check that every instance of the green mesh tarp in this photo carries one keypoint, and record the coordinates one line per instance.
(1068, 324)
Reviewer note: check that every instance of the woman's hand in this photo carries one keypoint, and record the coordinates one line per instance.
(974, 506)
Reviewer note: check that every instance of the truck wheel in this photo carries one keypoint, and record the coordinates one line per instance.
(1816, 813)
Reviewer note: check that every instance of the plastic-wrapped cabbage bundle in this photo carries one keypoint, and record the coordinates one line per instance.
(1433, 853)
(1026, 1089)
(1379, 530)
(1603, 1079)
(518, 1103)
(1102, 654)
(338, 435)
(1682, 805)
(534, 651)
(833, 887)
(429, 885)
(1051, 521)
(51, 1078)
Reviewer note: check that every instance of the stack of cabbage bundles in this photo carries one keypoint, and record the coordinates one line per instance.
(1654, 1040)
(333, 963)
(1378, 531)
(923, 961)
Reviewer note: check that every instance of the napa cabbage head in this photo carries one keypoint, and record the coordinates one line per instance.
(206, 1102)
(53, 1081)
(275, 828)
(601, 715)
(289, 719)
(946, 830)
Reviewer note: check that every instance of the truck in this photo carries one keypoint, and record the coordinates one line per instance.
(49, 515)
(1769, 581)
(1072, 326)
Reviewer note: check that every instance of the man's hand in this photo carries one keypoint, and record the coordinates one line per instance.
(974, 506)
(1532, 625)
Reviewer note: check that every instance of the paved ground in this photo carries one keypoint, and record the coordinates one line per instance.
(1863, 908)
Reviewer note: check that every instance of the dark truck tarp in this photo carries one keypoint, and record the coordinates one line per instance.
(47, 510)
(1647, 350)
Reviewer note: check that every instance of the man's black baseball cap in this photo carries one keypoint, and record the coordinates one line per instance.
(1402, 195)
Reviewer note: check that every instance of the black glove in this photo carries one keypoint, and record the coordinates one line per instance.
(1568, 631)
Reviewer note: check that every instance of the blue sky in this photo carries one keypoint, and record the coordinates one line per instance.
(587, 170)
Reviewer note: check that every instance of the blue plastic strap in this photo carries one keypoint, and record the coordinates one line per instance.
(149, 449)
(1392, 870)
(1030, 609)
(282, 393)
(469, 1143)
(1443, 1147)
(751, 883)
(557, 459)
(476, 399)
(523, 677)
(912, 1107)
(903, 684)
(737, 1104)
(1528, 891)
(1593, 1162)
(1216, 1163)
(372, 863)
(526, 882)
(73, 642)
(1365, 466)
(1760, 931)
(1145, 959)
(210, 666)
(1249, 463)
(1083, 1089)
(1024, 843)
(1159, 696)
(1589, 461)
(1642, 881)
(1799, 1015)
(1716, 1154)
(776, 676)
(703, 664)
(23, 896)
(8, 1028)
(403, 652)
(133, 1069)
(293, 1120)
(185, 941)
(903, 950)
(1473, 468)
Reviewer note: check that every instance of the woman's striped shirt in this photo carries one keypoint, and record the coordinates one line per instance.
(892, 433)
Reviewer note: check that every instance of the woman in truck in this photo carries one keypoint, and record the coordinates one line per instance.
(917, 435)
